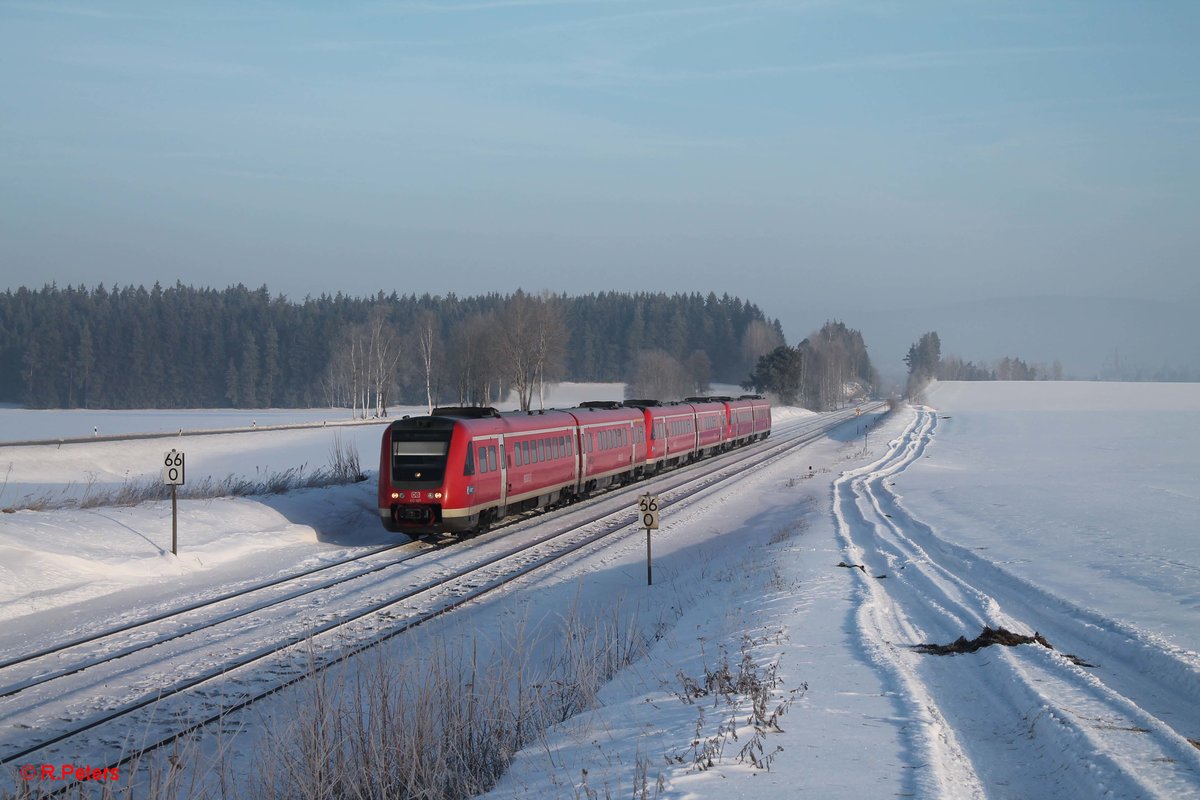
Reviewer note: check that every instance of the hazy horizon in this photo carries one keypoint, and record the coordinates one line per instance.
(822, 160)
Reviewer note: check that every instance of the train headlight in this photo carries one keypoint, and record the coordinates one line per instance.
(437, 495)
(395, 495)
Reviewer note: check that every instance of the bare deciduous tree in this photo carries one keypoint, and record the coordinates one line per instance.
(427, 342)
(532, 342)
(758, 339)
(657, 375)
(362, 370)
(473, 361)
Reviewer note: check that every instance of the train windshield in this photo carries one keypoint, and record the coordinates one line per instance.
(420, 455)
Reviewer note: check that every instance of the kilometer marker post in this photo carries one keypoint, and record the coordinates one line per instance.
(648, 516)
(173, 477)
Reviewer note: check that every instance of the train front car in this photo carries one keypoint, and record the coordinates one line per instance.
(416, 455)
(443, 473)
(464, 468)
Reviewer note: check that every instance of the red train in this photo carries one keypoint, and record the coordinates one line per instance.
(461, 469)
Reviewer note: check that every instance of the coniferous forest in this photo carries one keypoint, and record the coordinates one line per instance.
(182, 346)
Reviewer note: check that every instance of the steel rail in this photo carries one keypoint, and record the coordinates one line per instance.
(178, 611)
(6, 691)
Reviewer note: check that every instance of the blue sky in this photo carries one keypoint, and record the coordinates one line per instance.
(814, 157)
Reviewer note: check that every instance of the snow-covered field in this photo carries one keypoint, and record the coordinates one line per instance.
(1067, 508)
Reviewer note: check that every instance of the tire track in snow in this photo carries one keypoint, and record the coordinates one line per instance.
(930, 736)
(1006, 722)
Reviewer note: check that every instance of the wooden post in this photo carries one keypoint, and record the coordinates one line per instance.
(649, 570)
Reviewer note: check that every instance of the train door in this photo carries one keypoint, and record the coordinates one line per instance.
(585, 451)
(579, 462)
(505, 487)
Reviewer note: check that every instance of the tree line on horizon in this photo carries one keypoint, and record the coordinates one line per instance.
(183, 346)
(926, 362)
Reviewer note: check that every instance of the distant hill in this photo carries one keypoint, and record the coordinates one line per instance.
(1092, 337)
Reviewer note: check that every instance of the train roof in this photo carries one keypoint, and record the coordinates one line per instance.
(467, 412)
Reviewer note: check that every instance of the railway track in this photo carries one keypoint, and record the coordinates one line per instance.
(95, 694)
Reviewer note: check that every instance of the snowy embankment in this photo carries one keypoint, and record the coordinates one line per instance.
(1066, 508)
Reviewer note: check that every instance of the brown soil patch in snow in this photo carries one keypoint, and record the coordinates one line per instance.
(988, 637)
(858, 566)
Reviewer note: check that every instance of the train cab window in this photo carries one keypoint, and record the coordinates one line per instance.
(491, 458)
(469, 463)
(483, 465)
(419, 454)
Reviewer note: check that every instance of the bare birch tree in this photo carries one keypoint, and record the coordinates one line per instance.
(658, 375)
(473, 362)
(532, 343)
(363, 365)
(384, 353)
(427, 342)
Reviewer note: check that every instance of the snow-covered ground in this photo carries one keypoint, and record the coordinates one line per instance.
(1068, 508)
